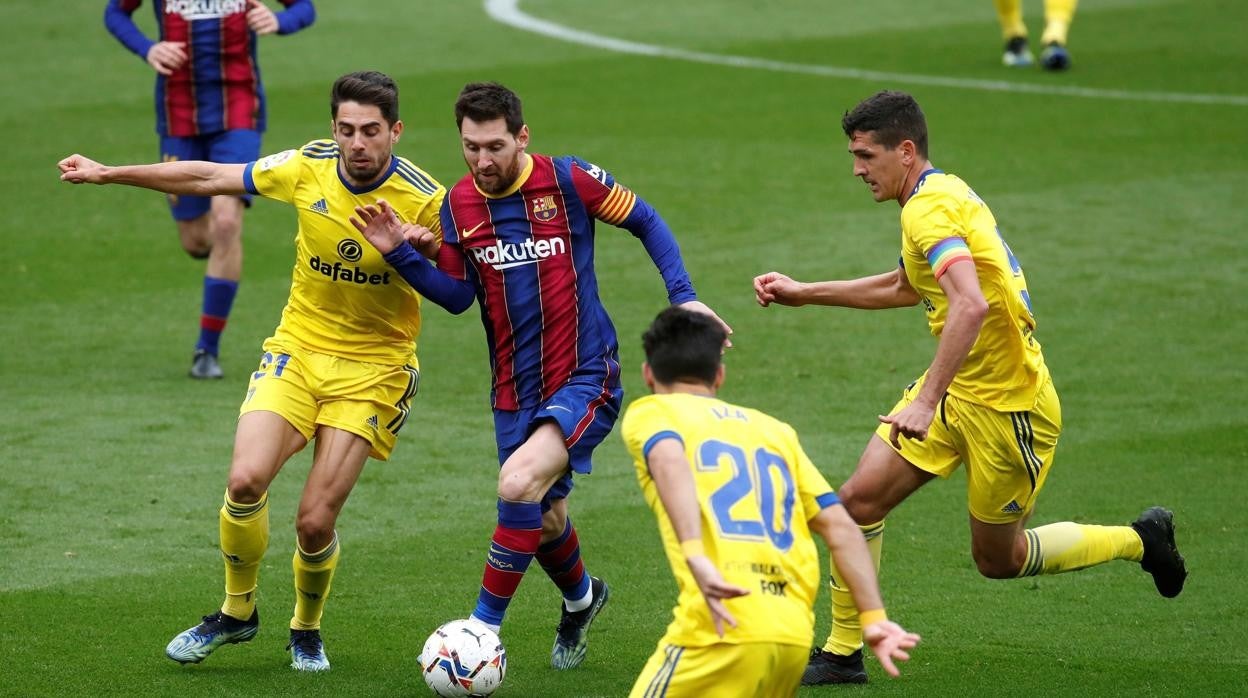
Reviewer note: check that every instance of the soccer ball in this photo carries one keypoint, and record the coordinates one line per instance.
(463, 658)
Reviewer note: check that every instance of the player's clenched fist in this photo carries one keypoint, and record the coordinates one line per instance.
(774, 287)
(78, 169)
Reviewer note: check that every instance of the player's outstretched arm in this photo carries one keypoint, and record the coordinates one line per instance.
(194, 177)
(888, 640)
(888, 290)
(670, 469)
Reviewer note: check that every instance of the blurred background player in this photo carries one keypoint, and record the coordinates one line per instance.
(754, 567)
(987, 398)
(341, 367)
(209, 106)
(1057, 17)
(519, 238)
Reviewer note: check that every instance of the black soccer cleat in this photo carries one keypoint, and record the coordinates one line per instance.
(571, 638)
(1161, 557)
(826, 668)
(204, 366)
(1017, 54)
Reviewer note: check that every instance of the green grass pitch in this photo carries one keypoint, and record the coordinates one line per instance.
(1126, 209)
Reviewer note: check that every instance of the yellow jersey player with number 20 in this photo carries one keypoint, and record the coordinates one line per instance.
(736, 499)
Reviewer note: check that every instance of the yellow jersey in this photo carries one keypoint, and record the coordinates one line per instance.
(757, 489)
(345, 300)
(945, 221)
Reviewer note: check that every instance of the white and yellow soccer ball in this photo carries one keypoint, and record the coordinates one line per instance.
(463, 658)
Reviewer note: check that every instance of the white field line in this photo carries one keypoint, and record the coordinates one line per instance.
(508, 12)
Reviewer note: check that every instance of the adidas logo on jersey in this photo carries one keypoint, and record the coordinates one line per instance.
(504, 255)
(372, 421)
(320, 207)
(1011, 508)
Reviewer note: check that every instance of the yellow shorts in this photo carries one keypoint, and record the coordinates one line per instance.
(309, 389)
(722, 670)
(1007, 454)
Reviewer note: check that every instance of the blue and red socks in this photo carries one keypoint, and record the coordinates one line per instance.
(561, 558)
(515, 541)
(218, 299)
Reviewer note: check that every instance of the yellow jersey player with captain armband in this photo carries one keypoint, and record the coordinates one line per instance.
(986, 399)
(737, 500)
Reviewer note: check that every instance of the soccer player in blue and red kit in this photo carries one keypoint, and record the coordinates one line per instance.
(518, 236)
(209, 106)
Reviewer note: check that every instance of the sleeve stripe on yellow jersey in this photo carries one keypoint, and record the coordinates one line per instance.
(827, 499)
(618, 204)
(947, 252)
(320, 149)
(650, 442)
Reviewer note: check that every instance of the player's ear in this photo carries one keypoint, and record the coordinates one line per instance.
(395, 131)
(522, 138)
(647, 375)
(719, 378)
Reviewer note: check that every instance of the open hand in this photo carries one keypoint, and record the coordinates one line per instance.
(715, 589)
(889, 641)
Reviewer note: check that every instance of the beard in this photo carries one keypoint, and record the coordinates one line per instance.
(499, 181)
(362, 173)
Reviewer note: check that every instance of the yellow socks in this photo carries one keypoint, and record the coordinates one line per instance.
(846, 635)
(313, 574)
(1064, 547)
(244, 540)
(1010, 13)
(1057, 16)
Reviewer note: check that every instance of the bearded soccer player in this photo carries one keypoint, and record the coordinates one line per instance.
(986, 400)
(341, 367)
(519, 238)
(748, 579)
(210, 105)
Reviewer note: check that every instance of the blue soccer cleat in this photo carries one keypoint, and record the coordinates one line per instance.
(193, 645)
(204, 366)
(1055, 57)
(571, 638)
(307, 652)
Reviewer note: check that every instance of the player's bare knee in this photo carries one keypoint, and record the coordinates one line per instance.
(245, 487)
(225, 228)
(518, 488)
(860, 506)
(315, 528)
(996, 567)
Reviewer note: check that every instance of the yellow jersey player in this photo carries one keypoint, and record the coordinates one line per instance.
(736, 500)
(1057, 17)
(341, 367)
(986, 400)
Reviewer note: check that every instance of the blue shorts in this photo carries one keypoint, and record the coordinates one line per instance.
(585, 412)
(235, 146)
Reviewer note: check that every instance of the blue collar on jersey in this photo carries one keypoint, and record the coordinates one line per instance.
(394, 163)
(923, 177)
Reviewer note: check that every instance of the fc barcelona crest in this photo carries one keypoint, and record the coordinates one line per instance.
(544, 208)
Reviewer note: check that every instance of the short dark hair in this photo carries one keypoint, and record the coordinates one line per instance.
(486, 101)
(683, 345)
(367, 87)
(893, 117)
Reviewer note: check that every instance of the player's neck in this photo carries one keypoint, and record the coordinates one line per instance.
(682, 387)
(912, 180)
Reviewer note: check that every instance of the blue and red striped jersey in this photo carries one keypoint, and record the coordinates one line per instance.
(219, 87)
(530, 256)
